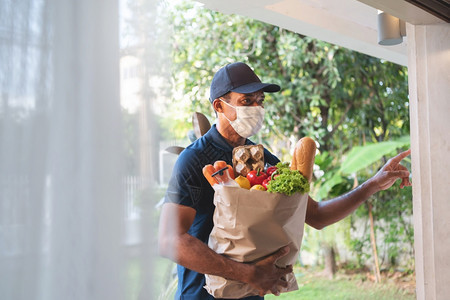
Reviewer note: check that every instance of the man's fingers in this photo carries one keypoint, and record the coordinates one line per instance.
(403, 184)
(277, 274)
(279, 254)
(283, 283)
(399, 174)
(289, 269)
(397, 159)
(275, 291)
(402, 168)
(406, 182)
(284, 271)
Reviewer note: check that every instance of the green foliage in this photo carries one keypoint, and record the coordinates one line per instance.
(329, 181)
(397, 225)
(361, 157)
(335, 95)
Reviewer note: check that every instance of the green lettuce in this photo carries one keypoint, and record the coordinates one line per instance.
(288, 181)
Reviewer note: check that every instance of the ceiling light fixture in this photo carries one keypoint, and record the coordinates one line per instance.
(391, 30)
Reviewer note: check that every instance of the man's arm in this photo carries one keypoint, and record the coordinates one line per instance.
(321, 214)
(176, 244)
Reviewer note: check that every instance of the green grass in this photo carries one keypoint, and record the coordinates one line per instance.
(312, 285)
(344, 287)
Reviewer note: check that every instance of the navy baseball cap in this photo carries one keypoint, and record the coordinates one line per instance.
(240, 78)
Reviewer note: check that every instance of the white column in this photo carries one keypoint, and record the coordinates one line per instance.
(429, 88)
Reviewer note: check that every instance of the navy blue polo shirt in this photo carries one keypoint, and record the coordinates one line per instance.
(188, 186)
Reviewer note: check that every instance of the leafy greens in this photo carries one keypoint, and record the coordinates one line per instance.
(288, 181)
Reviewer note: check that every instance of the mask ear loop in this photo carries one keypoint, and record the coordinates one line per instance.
(220, 98)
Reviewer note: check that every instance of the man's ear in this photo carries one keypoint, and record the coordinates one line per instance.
(217, 105)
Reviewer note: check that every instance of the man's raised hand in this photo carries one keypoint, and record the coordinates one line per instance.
(392, 171)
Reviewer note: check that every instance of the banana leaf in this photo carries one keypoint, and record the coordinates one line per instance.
(361, 157)
(326, 187)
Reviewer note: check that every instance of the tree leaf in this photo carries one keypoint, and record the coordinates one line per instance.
(326, 187)
(361, 157)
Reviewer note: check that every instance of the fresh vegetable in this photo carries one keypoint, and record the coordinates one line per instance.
(256, 177)
(288, 181)
(270, 170)
(266, 181)
(220, 164)
(220, 172)
(223, 177)
(258, 187)
(271, 174)
(208, 170)
(243, 182)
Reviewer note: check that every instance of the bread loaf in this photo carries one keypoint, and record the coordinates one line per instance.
(303, 157)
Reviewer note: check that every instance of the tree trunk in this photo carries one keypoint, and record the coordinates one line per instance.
(330, 261)
(374, 245)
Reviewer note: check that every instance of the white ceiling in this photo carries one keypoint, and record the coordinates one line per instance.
(347, 23)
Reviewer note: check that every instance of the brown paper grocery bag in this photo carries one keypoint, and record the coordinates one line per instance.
(250, 225)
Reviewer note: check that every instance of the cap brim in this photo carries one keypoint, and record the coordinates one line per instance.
(257, 86)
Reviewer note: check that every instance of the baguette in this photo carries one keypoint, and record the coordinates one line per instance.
(303, 158)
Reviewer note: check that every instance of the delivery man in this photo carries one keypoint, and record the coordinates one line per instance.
(237, 96)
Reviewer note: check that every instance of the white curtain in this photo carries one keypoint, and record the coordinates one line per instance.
(64, 220)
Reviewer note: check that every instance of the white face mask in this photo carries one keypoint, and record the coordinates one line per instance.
(249, 119)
